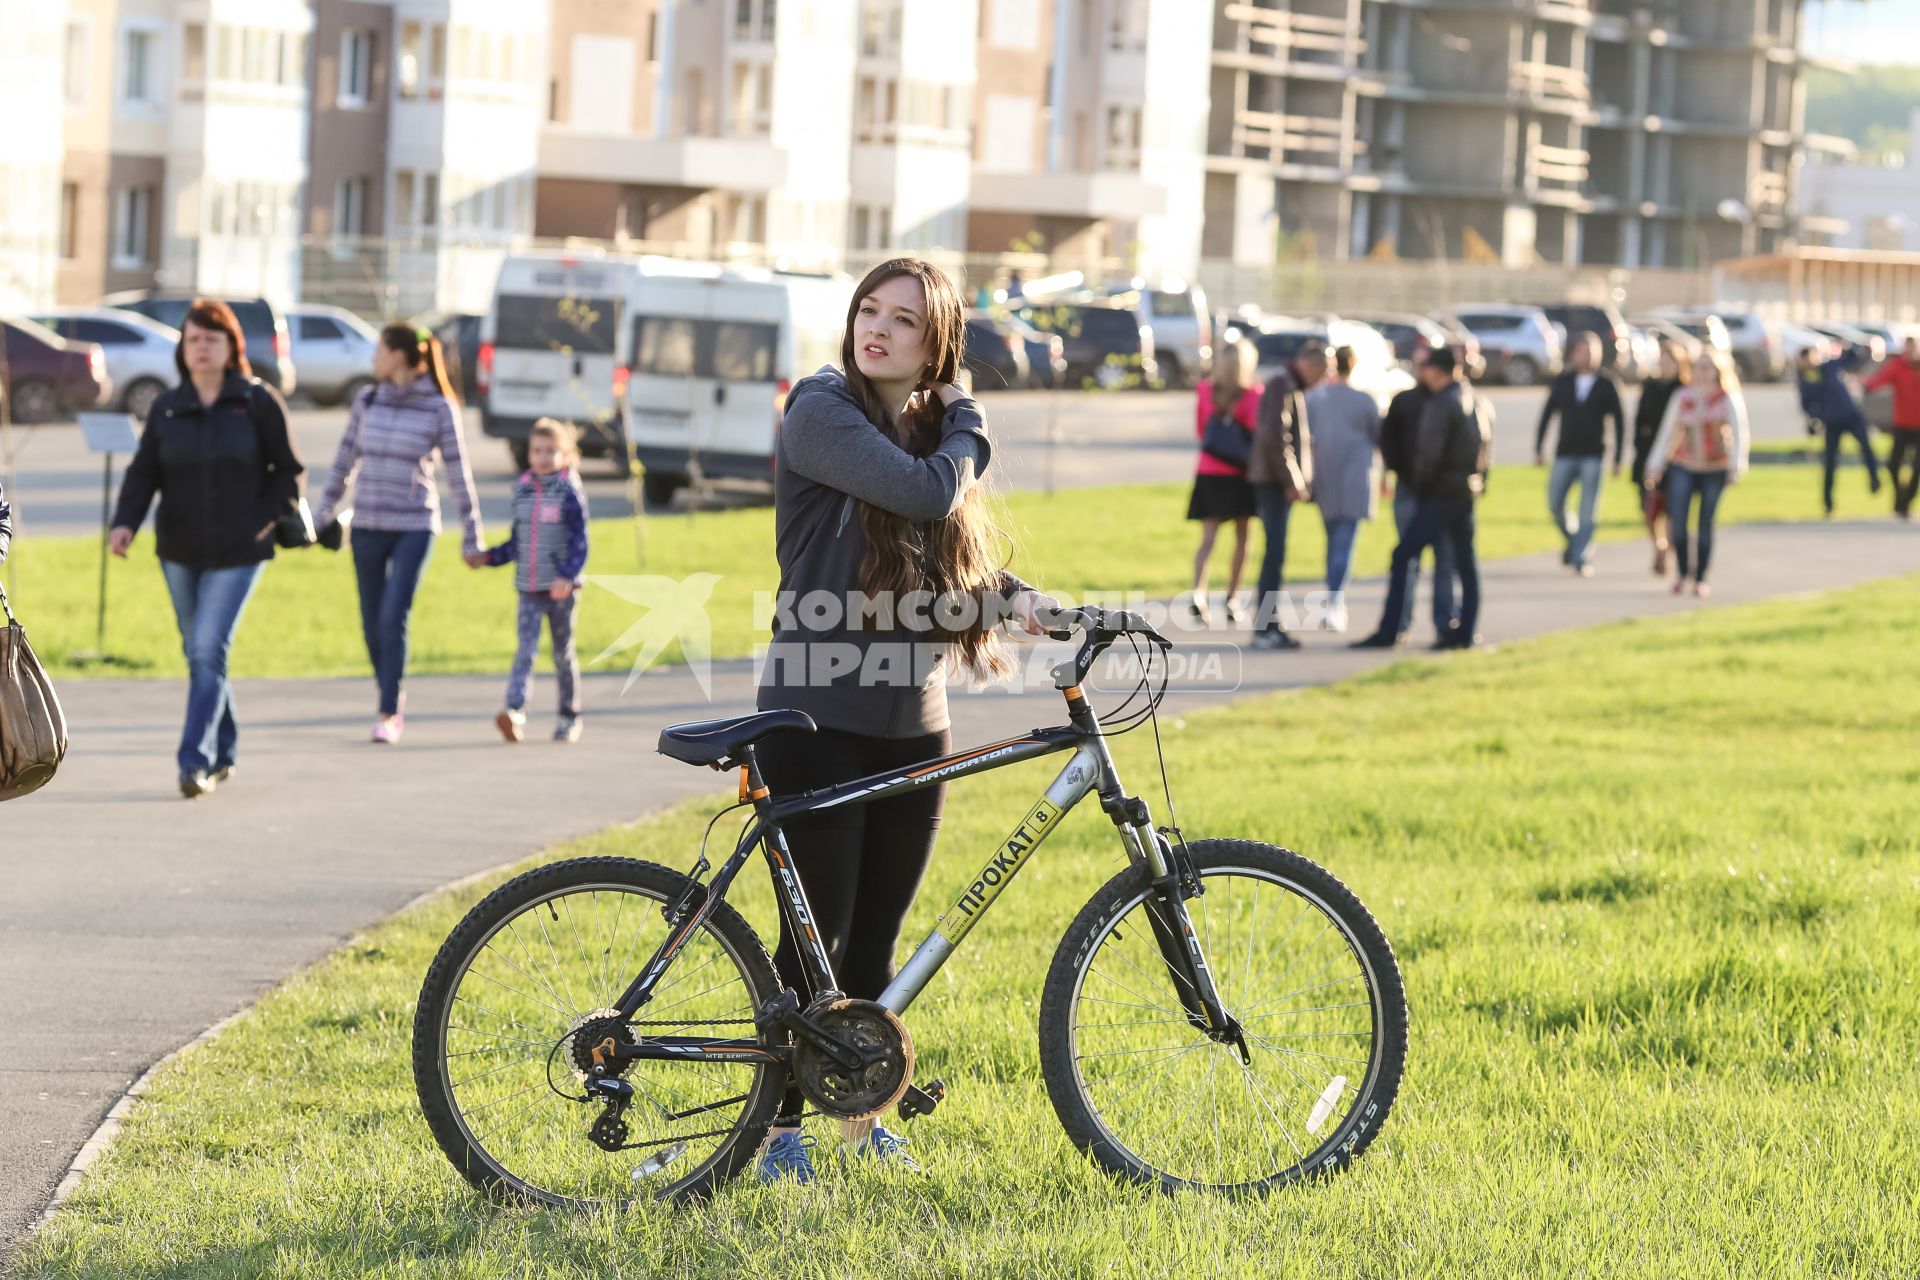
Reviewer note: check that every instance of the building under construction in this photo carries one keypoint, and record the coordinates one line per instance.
(1633, 133)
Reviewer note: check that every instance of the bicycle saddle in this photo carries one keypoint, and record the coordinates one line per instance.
(711, 741)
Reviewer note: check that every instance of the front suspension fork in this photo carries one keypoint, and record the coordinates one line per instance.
(1175, 880)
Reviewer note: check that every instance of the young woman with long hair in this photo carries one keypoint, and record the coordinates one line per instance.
(876, 492)
(1676, 371)
(1701, 449)
(217, 452)
(394, 430)
(1221, 490)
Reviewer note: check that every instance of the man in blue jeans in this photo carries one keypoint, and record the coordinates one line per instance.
(1584, 397)
(1398, 431)
(1826, 399)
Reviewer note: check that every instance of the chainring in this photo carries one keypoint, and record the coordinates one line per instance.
(865, 1092)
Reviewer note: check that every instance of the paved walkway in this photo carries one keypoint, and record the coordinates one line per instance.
(132, 920)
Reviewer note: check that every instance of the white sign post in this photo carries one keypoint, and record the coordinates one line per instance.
(108, 434)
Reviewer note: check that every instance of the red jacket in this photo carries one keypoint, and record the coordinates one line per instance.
(1903, 376)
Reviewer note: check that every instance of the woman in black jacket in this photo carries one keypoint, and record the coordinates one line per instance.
(875, 492)
(1675, 371)
(216, 449)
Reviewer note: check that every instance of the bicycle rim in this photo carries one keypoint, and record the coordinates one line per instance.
(1176, 1104)
(525, 992)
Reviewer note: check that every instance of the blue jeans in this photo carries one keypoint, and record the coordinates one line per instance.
(1579, 533)
(207, 603)
(1435, 521)
(1682, 485)
(1274, 506)
(389, 566)
(1341, 531)
(534, 606)
(1830, 457)
(1446, 612)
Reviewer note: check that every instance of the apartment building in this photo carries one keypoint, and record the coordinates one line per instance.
(31, 222)
(1858, 205)
(1090, 131)
(1642, 133)
(702, 126)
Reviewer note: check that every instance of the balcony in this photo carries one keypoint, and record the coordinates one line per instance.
(1312, 141)
(735, 164)
(1548, 84)
(1278, 42)
(1070, 194)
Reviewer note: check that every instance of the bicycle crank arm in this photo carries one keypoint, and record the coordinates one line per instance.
(612, 1052)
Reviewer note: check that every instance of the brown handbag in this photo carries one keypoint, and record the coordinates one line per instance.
(33, 729)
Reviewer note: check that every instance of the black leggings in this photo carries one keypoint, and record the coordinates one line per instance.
(860, 864)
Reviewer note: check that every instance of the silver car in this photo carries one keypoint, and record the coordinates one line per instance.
(333, 349)
(139, 351)
(1521, 346)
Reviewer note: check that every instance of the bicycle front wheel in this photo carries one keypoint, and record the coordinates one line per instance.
(1297, 961)
(521, 992)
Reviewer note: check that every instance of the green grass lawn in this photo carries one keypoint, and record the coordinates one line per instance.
(304, 618)
(1653, 888)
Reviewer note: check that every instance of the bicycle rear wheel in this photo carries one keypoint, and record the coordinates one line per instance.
(1297, 961)
(522, 989)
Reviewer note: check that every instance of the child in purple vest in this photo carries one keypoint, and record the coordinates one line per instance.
(548, 551)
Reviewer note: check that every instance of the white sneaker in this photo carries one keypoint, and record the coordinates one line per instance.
(1336, 620)
(512, 724)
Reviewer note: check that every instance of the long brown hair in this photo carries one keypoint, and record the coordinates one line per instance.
(422, 351)
(959, 554)
(1234, 367)
(211, 313)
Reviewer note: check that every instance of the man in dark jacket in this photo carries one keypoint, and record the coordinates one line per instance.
(1826, 399)
(1452, 451)
(1280, 468)
(1398, 431)
(1584, 397)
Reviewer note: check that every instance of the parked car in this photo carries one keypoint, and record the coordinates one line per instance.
(1602, 320)
(139, 352)
(1105, 346)
(459, 334)
(1753, 340)
(269, 348)
(1795, 338)
(1892, 336)
(1868, 348)
(1182, 331)
(1239, 322)
(1375, 369)
(49, 378)
(1412, 334)
(996, 355)
(333, 349)
(1645, 344)
(1046, 353)
(1520, 344)
(1689, 333)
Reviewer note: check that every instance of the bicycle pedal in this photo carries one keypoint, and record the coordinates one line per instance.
(921, 1102)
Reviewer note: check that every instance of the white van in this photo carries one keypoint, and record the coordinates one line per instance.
(547, 348)
(711, 353)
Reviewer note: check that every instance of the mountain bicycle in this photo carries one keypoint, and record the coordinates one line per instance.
(1222, 1015)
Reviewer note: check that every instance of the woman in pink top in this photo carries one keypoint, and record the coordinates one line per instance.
(1220, 488)
(1701, 449)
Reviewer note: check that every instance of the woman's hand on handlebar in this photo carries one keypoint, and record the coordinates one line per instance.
(1028, 607)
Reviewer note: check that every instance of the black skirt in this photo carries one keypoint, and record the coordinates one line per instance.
(1220, 498)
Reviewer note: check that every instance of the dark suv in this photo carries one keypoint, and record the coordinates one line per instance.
(1616, 343)
(269, 349)
(49, 378)
(1104, 346)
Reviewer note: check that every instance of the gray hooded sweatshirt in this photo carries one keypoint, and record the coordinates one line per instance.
(849, 674)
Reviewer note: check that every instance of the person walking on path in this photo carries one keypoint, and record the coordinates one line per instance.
(1583, 397)
(1221, 491)
(1453, 450)
(876, 491)
(1280, 469)
(1676, 367)
(1346, 453)
(1902, 373)
(1826, 399)
(217, 451)
(1398, 431)
(394, 430)
(547, 548)
(1701, 449)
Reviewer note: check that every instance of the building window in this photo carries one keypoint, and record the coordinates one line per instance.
(69, 220)
(436, 61)
(653, 37)
(139, 73)
(225, 63)
(1127, 28)
(880, 28)
(356, 67)
(402, 203)
(408, 72)
(293, 59)
(193, 52)
(132, 209)
(429, 199)
(752, 99)
(753, 19)
(75, 71)
(1123, 137)
(350, 207)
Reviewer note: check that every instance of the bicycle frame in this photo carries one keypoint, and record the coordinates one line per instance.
(1091, 769)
